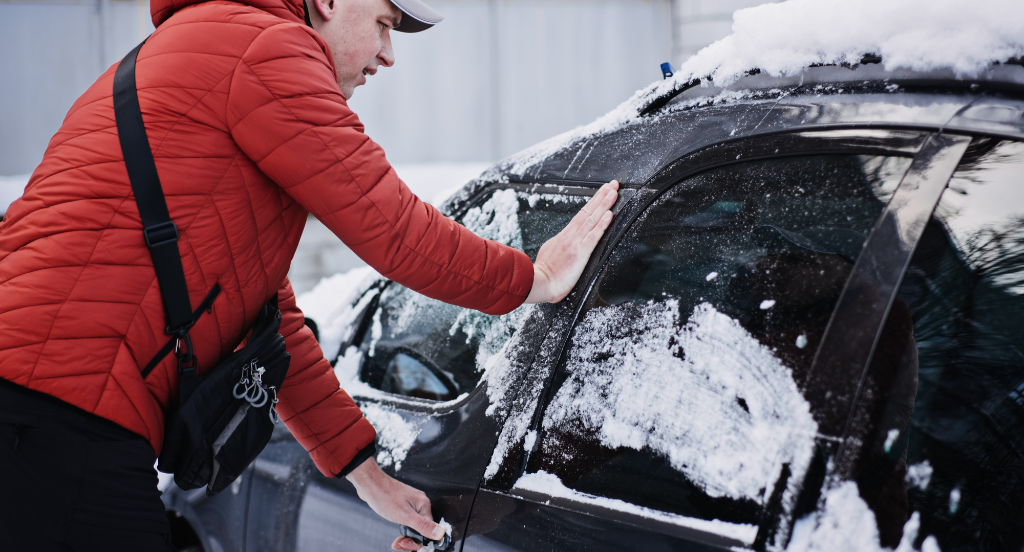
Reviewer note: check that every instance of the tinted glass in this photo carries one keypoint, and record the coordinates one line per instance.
(421, 347)
(951, 365)
(680, 387)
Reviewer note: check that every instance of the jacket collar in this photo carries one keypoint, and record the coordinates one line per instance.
(291, 10)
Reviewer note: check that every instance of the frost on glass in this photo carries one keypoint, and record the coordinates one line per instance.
(695, 388)
(455, 342)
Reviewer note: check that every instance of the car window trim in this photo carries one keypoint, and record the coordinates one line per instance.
(663, 527)
(852, 334)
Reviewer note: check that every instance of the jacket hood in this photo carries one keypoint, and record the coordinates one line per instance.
(291, 10)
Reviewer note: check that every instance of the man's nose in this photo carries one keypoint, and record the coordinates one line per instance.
(386, 55)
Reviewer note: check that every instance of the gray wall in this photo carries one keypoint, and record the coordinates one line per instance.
(498, 76)
(50, 52)
(495, 77)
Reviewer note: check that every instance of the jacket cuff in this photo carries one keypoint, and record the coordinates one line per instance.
(361, 456)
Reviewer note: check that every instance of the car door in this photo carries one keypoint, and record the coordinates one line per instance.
(678, 414)
(428, 375)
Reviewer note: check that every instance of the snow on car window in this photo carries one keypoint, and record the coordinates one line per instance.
(844, 522)
(701, 392)
(420, 347)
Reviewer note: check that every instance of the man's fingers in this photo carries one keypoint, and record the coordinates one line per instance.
(426, 527)
(404, 543)
(594, 236)
(602, 200)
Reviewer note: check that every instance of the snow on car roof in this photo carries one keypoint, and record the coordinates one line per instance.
(782, 39)
(964, 37)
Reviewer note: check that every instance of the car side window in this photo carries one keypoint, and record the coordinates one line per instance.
(680, 387)
(420, 347)
(945, 392)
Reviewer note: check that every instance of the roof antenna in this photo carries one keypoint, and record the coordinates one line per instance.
(666, 70)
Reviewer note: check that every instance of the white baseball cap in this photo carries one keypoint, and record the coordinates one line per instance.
(416, 16)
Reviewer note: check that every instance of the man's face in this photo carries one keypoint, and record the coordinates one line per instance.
(359, 35)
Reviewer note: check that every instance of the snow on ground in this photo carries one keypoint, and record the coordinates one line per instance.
(321, 254)
(435, 182)
(550, 485)
(11, 188)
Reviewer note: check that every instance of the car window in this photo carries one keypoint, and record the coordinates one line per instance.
(680, 387)
(945, 391)
(420, 347)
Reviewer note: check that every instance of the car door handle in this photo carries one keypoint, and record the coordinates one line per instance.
(442, 545)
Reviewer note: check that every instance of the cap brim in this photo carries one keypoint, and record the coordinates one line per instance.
(416, 16)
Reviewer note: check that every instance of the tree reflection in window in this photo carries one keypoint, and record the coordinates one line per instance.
(960, 464)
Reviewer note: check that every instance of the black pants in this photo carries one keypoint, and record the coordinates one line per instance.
(71, 481)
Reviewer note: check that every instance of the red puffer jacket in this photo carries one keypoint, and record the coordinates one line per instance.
(250, 133)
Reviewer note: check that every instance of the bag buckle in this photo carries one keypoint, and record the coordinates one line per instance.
(161, 234)
(187, 363)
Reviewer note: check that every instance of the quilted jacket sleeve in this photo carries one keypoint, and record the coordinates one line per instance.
(287, 114)
(321, 416)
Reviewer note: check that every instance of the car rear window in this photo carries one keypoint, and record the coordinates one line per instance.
(945, 392)
(680, 387)
(424, 348)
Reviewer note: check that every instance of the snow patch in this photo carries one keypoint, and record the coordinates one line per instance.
(782, 39)
(890, 439)
(550, 485)
(330, 304)
(11, 188)
(919, 475)
(395, 435)
(844, 523)
(708, 396)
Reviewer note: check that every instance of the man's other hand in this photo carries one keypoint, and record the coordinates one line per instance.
(396, 502)
(561, 259)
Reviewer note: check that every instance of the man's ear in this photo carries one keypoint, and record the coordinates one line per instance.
(324, 7)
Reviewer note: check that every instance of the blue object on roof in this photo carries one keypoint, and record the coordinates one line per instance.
(667, 70)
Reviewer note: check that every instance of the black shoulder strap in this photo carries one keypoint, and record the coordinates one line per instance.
(160, 232)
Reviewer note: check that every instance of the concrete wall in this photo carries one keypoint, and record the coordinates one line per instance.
(50, 52)
(495, 77)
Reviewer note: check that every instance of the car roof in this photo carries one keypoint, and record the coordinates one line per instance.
(635, 141)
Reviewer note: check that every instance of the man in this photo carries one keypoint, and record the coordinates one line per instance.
(245, 109)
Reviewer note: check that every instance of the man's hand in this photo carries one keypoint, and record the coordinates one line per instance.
(561, 259)
(395, 502)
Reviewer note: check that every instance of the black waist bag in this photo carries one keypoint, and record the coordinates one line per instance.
(227, 417)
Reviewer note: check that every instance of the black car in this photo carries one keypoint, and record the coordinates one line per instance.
(806, 324)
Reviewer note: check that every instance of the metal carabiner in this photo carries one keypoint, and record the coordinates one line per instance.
(273, 406)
